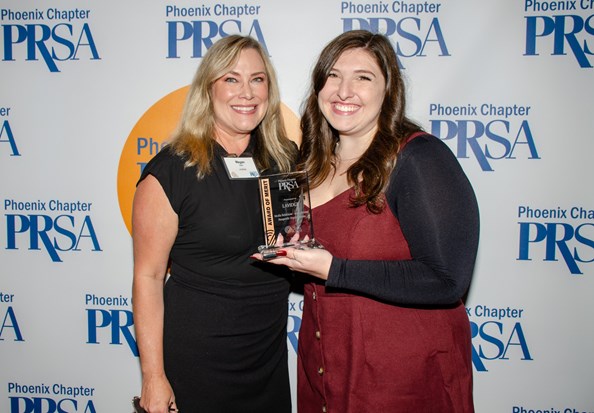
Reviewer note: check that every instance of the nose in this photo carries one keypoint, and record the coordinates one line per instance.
(246, 91)
(345, 90)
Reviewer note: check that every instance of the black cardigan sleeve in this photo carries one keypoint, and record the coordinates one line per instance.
(438, 213)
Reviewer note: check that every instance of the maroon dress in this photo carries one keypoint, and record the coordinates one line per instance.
(400, 345)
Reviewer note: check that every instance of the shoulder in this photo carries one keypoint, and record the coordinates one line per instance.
(164, 162)
(171, 173)
(426, 157)
(165, 156)
(425, 144)
(425, 151)
(427, 170)
(170, 170)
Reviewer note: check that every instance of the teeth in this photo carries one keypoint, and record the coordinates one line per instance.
(346, 108)
(243, 108)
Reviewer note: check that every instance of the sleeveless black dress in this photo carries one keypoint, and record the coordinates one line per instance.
(225, 343)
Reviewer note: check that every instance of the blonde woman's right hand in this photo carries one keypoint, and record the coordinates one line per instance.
(157, 395)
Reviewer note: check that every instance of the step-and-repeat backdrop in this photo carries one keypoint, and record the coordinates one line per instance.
(90, 91)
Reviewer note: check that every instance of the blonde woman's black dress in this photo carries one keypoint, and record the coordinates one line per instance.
(225, 343)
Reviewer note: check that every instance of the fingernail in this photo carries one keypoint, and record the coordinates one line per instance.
(281, 253)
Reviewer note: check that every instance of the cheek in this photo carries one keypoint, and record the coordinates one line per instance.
(324, 99)
(264, 95)
(263, 109)
(376, 98)
(381, 93)
(325, 93)
(220, 95)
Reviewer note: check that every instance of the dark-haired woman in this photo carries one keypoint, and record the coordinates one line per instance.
(384, 328)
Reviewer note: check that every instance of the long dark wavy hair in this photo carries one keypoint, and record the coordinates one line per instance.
(370, 174)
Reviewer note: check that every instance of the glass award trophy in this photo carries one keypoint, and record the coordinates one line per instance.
(285, 213)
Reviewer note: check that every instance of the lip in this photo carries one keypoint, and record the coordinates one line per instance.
(244, 109)
(345, 108)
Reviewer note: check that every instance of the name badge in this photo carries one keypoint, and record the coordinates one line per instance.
(241, 168)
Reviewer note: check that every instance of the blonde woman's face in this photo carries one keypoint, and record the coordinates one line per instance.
(240, 97)
(352, 96)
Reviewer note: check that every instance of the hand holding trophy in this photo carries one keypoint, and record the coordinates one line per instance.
(286, 214)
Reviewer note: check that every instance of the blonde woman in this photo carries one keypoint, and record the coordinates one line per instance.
(212, 338)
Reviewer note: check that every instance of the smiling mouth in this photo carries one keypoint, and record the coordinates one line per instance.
(345, 108)
(244, 109)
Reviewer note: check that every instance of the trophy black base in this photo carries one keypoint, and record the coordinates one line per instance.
(270, 252)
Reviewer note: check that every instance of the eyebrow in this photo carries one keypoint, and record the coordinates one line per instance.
(365, 71)
(358, 71)
(232, 72)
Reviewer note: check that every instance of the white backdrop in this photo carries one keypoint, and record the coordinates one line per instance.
(90, 90)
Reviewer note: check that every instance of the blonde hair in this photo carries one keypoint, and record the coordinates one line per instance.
(195, 138)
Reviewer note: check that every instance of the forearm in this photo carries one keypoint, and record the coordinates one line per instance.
(154, 229)
(406, 282)
(148, 323)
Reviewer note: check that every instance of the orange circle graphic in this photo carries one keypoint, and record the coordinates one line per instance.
(151, 133)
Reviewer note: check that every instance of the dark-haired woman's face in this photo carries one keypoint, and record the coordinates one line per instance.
(352, 97)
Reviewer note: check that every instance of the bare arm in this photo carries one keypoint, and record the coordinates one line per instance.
(154, 228)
